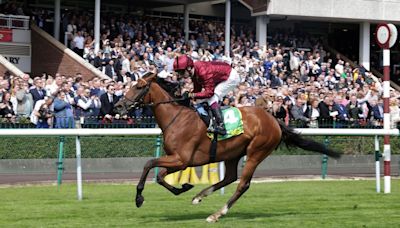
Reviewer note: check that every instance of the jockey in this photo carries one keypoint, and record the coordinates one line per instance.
(216, 78)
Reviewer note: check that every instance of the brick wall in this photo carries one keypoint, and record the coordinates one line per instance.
(47, 57)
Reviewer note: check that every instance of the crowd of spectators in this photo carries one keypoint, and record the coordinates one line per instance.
(292, 77)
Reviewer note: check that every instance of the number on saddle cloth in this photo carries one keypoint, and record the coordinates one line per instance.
(232, 120)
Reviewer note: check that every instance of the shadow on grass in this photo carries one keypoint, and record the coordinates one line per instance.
(233, 215)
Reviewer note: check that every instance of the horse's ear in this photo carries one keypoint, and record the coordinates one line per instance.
(153, 76)
(141, 83)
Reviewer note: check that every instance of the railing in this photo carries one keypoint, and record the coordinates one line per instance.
(78, 133)
(66, 36)
(14, 21)
(150, 122)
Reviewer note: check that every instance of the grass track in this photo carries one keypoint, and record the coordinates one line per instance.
(283, 204)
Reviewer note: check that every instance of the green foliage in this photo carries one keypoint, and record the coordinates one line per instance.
(280, 204)
(145, 146)
(92, 147)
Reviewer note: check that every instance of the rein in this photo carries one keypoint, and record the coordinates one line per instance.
(142, 94)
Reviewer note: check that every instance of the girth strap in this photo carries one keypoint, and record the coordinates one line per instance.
(213, 148)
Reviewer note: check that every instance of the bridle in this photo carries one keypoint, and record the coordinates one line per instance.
(140, 97)
(139, 100)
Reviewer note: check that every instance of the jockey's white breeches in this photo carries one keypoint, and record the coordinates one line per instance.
(223, 88)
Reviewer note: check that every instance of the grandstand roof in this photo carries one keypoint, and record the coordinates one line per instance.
(152, 3)
(158, 3)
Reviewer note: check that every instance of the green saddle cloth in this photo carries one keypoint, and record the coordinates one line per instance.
(233, 124)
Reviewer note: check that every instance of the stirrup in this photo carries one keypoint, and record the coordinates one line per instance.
(210, 129)
(220, 130)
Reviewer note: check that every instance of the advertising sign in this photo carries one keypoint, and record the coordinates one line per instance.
(5, 35)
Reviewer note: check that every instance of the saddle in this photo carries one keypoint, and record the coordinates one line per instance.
(232, 120)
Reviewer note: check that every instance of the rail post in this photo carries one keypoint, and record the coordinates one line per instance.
(60, 166)
(78, 167)
(377, 165)
(325, 159)
(158, 149)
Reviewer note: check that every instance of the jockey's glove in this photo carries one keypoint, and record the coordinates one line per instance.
(186, 95)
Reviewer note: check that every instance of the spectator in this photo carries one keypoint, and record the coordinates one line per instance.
(394, 112)
(264, 101)
(278, 109)
(42, 114)
(6, 108)
(298, 113)
(79, 42)
(314, 113)
(354, 110)
(325, 109)
(109, 69)
(63, 112)
(341, 111)
(376, 112)
(25, 101)
(108, 100)
(37, 92)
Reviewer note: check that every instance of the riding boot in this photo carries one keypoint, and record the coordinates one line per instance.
(219, 119)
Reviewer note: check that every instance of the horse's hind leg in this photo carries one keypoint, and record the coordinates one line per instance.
(230, 176)
(176, 191)
(244, 184)
(165, 161)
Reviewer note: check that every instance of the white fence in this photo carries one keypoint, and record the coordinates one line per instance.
(14, 21)
(156, 131)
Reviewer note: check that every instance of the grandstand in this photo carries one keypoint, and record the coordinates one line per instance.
(273, 48)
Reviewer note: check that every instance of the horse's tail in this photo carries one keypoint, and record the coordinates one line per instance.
(291, 139)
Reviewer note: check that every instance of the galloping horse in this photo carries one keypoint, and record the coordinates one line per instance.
(186, 143)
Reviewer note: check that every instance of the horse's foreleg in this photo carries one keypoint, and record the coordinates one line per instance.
(176, 191)
(165, 161)
(230, 176)
(244, 184)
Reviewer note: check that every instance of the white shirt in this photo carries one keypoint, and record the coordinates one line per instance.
(79, 42)
(126, 65)
(84, 104)
(34, 119)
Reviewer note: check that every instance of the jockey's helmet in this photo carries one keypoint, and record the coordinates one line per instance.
(182, 63)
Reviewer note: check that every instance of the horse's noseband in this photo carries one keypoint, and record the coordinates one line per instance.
(140, 98)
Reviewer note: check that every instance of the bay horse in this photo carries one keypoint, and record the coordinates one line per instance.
(187, 145)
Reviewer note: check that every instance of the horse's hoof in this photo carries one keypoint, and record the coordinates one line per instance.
(187, 187)
(196, 200)
(212, 219)
(139, 201)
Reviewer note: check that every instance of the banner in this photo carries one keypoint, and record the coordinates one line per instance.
(5, 35)
(22, 62)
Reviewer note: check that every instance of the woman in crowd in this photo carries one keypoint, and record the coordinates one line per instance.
(6, 108)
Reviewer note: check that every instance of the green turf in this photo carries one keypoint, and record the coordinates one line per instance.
(284, 204)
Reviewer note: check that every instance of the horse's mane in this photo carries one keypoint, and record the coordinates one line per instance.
(171, 88)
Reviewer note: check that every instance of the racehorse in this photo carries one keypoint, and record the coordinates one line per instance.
(187, 145)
